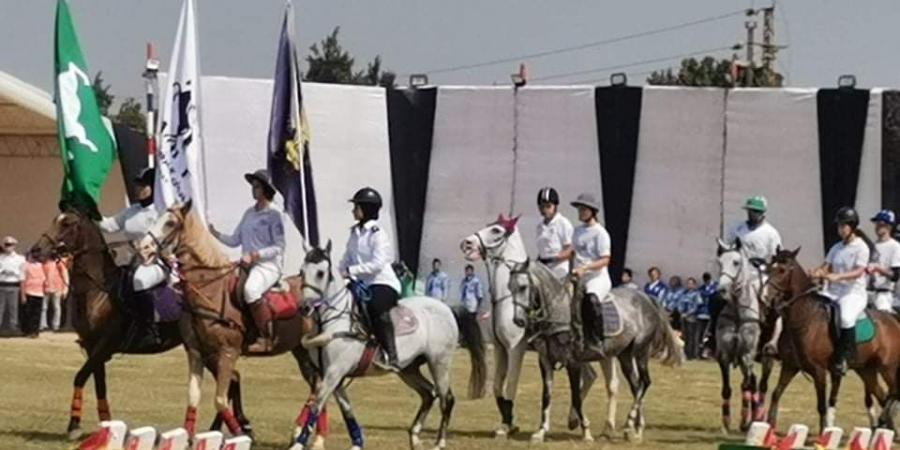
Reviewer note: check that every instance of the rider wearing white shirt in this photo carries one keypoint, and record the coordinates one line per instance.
(885, 272)
(260, 234)
(845, 270)
(591, 244)
(554, 234)
(368, 259)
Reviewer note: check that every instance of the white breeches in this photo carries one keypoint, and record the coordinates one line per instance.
(852, 307)
(598, 285)
(147, 276)
(883, 301)
(263, 275)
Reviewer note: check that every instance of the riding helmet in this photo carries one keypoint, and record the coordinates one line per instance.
(887, 216)
(847, 216)
(548, 195)
(367, 196)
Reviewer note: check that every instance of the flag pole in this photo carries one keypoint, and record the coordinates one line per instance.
(152, 84)
(295, 104)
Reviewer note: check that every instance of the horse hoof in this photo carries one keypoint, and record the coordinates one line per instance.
(538, 437)
(504, 432)
(318, 443)
(296, 446)
(630, 435)
(587, 437)
(355, 447)
(441, 445)
(415, 442)
(573, 423)
(75, 434)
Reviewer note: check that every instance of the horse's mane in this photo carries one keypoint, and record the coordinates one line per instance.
(550, 285)
(552, 292)
(201, 242)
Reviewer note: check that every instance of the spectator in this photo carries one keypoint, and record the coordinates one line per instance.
(407, 280)
(708, 292)
(11, 274)
(32, 295)
(628, 279)
(670, 300)
(471, 295)
(56, 289)
(655, 288)
(688, 305)
(437, 285)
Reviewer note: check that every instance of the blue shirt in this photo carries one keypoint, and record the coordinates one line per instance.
(656, 291)
(471, 293)
(707, 291)
(689, 302)
(437, 285)
(671, 299)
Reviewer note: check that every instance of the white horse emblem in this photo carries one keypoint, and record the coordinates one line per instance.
(70, 104)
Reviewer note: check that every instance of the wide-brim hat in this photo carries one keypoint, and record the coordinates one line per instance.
(588, 201)
(261, 176)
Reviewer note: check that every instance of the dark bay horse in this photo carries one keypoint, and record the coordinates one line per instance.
(103, 325)
(807, 345)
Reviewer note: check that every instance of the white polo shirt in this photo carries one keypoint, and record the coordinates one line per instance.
(844, 258)
(761, 241)
(888, 258)
(551, 238)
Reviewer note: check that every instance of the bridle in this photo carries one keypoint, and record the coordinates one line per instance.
(780, 306)
(491, 261)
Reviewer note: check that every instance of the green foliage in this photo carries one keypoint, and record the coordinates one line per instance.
(712, 72)
(330, 63)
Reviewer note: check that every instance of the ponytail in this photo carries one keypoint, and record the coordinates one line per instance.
(873, 253)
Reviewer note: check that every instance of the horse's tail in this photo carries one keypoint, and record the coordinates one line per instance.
(665, 345)
(471, 334)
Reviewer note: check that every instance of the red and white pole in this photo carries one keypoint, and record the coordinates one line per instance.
(152, 84)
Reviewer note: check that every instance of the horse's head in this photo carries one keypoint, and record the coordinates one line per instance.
(732, 261)
(68, 233)
(164, 234)
(316, 273)
(490, 240)
(784, 273)
(520, 284)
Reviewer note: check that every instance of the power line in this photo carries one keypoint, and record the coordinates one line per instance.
(633, 64)
(590, 44)
(630, 75)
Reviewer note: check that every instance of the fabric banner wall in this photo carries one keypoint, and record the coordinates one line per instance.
(349, 151)
(890, 150)
(556, 146)
(772, 149)
(471, 172)
(618, 115)
(132, 153)
(675, 212)
(410, 129)
(868, 191)
(842, 117)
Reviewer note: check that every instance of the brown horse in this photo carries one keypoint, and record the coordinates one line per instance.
(220, 324)
(103, 325)
(806, 344)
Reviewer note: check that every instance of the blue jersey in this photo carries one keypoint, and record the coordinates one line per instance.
(672, 298)
(689, 302)
(470, 293)
(656, 291)
(707, 292)
(437, 285)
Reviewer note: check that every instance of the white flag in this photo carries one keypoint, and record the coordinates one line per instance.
(179, 171)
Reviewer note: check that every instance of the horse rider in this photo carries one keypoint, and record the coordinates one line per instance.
(133, 222)
(591, 245)
(759, 240)
(886, 271)
(845, 271)
(260, 234)
(367, 259)
(554, 234)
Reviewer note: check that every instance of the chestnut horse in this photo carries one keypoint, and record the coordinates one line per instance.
(806, 340)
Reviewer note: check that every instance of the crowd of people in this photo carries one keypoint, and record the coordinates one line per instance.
(32, 292)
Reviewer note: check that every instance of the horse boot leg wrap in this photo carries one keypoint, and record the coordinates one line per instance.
(262, 317)
(386, 336)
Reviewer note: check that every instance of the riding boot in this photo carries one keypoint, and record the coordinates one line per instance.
(385, 335)
(147, 312)
(577, 325)
(262, 317)
(596, 331)
(844, 349)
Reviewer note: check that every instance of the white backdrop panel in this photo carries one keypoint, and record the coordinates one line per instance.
(868, 191)
(557, 147)
(773, 150)
(471, 171)
(349, 147)
(675, 211)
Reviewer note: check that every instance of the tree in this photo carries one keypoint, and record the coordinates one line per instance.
(712, 72)
(330, 63)
(104, 97)
(131, 115)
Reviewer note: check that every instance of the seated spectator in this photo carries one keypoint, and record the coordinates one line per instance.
(628, 279)
(655, 288)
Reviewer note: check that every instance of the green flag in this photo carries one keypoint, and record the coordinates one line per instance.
(86, 143)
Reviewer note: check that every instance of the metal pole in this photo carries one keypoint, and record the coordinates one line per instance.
(751, 27)
(151, 83)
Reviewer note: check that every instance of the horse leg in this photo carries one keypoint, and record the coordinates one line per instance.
(820, 381)
(576, 387)
(767, 364)
(832, 401)
(611, 377)
(353, 428)
(103, 412)
(96, 358)
(311, 375)
(725, 370)
(226, 363)
(440, 372)
(331, 381)
(870, 383)
(413, 378)
(629, 368)
(546, 395)
(514, 368)
(237, 402)
(195, 381)
(588, 376)
(501, 368)
(748, 394)
(785, 377)
(643, 367)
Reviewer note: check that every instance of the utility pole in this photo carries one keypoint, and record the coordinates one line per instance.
(750, 24)
(769, 47)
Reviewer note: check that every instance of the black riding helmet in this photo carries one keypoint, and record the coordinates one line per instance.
(548, 195)
(847, 216)
(369, 201)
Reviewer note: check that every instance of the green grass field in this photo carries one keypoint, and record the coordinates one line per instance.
(682, 407)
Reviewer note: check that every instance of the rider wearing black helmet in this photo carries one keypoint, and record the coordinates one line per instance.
(368, 259)
(845, 271)
(554, 234)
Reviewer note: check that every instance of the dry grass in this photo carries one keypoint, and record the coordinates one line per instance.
(682, 407)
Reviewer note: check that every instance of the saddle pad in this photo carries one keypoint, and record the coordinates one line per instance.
(282, 304)
(865, 330)
(612, 323)
(167, 304)
(405, 321)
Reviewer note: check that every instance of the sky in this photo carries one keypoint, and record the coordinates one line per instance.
(825, 38)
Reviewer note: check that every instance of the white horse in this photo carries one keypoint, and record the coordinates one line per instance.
(340, 352)
(501, 247)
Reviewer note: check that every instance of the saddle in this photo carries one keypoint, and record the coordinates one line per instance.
(865, 326)
(403, 318)
(282, 303)
(607, 311)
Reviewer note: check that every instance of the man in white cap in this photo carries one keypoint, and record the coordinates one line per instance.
(11, 275)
